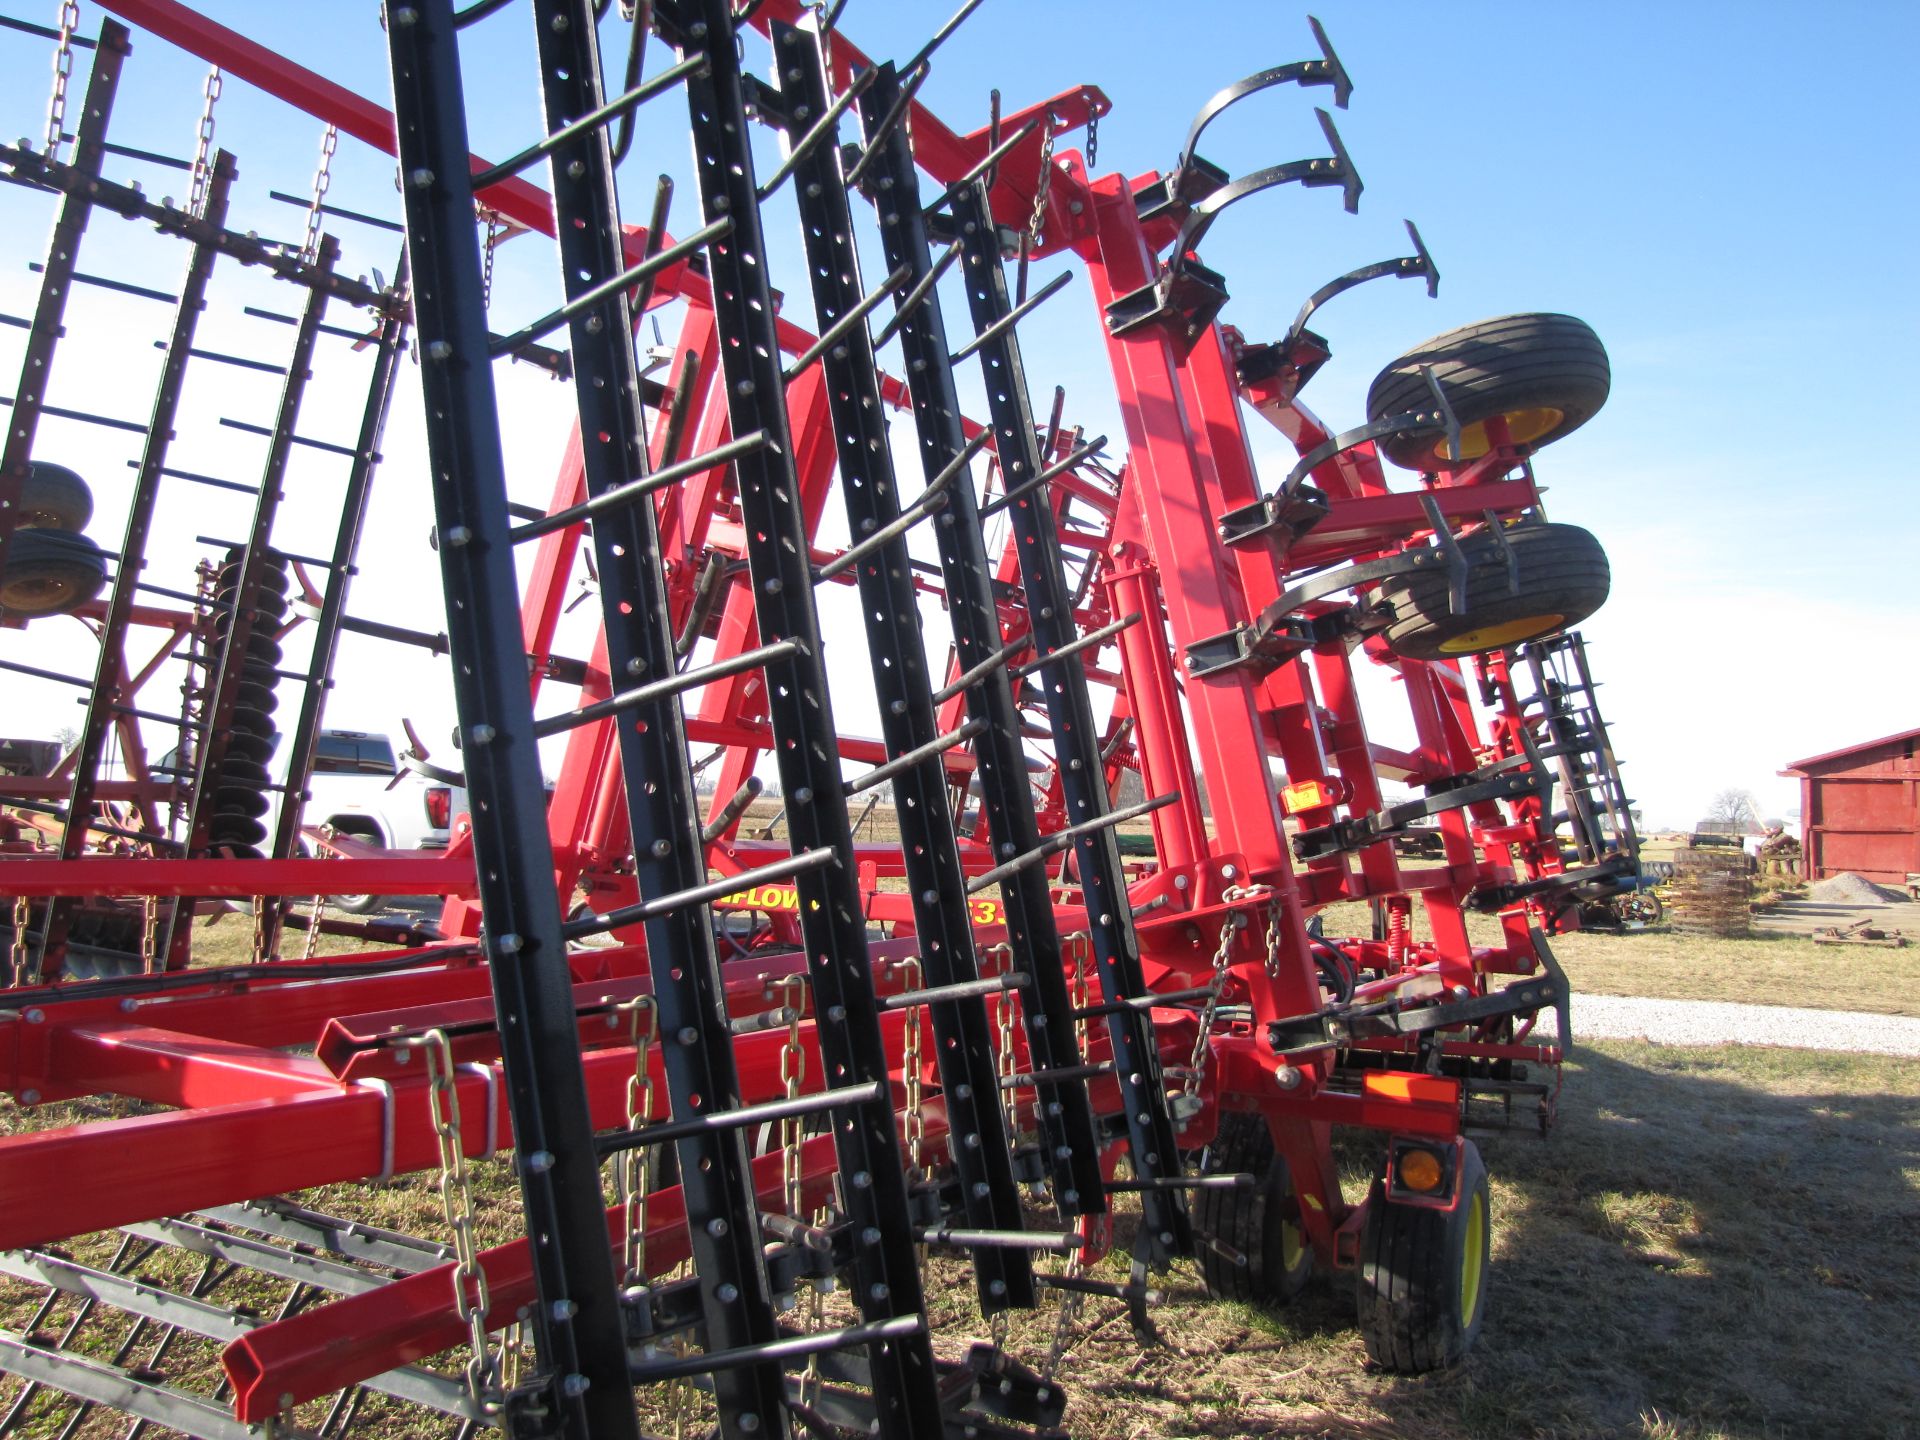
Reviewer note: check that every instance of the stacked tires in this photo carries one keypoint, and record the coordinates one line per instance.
(1528, 380)
(51, 568)
(240, 787)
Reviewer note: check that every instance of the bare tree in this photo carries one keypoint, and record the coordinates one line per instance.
(1733, 807)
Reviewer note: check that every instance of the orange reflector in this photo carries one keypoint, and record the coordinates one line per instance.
(1421, 1170)
(1405, 1085)
(1310, 795)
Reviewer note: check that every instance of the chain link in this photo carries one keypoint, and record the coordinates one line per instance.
(1273, 935)
(793, 1070)
(470, 1295)
(496, 226)
(322, 182)
(1044, 184)
(1081, 944)
(1234, 922)
(633, 1187)
(203, 146)
(62, 72)
(314, 914)
(20, 956)
(150, 935)
(1070, 1303)
(916, 1125)
(1093, 141)
(259, 929)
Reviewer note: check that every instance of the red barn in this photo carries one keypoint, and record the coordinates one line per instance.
(1860, 810)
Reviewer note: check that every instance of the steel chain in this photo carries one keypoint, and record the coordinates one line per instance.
(1203, 1034)
(1080, 944)
(1273, 936)
(314, 914)
(633, 1188)
(1070, 1303)
(150, 935)
(20, 956)
(322, 182)
(203, 146)
(1093, 141)
(495, 224)
(62, 72)
(470, 1294)
(793, 1070)
(259, 929)
(915, 1124)
(1045, 183)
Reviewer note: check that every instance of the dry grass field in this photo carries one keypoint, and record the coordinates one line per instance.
(1714, 1243)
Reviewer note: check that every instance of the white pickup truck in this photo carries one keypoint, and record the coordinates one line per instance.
(359, 787)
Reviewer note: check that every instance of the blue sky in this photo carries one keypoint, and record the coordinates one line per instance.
(1722, 190)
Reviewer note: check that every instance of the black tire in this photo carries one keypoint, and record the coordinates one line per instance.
(1563, 578)
(50, 572)
(52, 497)
(1421, 1284)
(358, 904)
(1262, 1223)
(1548, 374)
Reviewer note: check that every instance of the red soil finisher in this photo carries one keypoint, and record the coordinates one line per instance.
(796, 1063)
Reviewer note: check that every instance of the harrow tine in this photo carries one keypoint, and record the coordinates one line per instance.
(622, 496)
(742, 1117)
(878, 134)
(592, 120)
(814, 138)
(656, 238)
(912, 300)
(939, 745)
(680, 407)
(599, 924)
(835, 333)
(1063, 839)
(986, 162)
(996, 660)
(940, 36)
(609, 290)
(706, 594)
(729, 814)
(1013, 317)
(665, 688)
(1092, 640)
(795, 1347)
(1072, 461)
(934, 995)
(930, 501)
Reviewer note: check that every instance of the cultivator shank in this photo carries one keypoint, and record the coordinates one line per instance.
(746, 1071)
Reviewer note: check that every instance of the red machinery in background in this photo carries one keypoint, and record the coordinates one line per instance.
(734, 1022)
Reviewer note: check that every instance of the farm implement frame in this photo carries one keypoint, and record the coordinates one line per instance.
(740, 1064)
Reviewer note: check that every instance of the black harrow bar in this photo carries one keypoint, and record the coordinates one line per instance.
(1076, 737)
(579, 1339)
(982, 1157)
(1070, 1149)
(873, 1189)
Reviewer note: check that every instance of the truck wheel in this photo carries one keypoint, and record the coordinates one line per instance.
(1546, 375)
(52, 497)
(1250, 1243)
(1563, 578)
(1421, 1282)
(50, 572)
(358, 904)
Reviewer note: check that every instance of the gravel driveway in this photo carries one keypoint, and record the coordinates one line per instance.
(1717, 1022)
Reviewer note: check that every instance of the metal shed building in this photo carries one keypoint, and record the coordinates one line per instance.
(1860, 810)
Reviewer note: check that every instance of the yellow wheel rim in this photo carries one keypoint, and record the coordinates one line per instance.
(1523, 427)
(1492, 637)
(1473, 1261)
(1292, 1246)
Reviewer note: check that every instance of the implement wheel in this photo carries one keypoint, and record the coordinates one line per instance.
(52, 497)
(1563, 578)
(1546, 375)
(1421, 1284)
(50, 572)
(1250, 1243)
